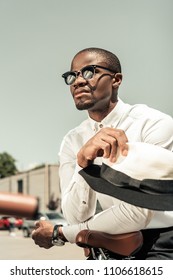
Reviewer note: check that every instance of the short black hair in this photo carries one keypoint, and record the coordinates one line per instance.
(110, 59)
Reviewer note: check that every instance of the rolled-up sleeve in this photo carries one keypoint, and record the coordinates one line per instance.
(117, 219)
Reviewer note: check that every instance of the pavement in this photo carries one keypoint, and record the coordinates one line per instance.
(17, 247)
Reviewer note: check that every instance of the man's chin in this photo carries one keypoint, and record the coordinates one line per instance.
(84, 106)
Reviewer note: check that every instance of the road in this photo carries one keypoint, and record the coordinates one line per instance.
(20, 248)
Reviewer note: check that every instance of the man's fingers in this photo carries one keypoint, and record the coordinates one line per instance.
(124, 150)
(37, 224)
(122, 142)
(115, 138)
(33, 233)
(104, 143)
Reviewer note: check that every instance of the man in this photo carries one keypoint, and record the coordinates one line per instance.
(94, 81)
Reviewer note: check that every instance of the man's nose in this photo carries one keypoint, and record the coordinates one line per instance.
(79, 79)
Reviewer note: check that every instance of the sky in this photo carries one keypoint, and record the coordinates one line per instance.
(38, 39)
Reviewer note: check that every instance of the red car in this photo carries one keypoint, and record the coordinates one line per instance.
(4, 223)
(18, 223)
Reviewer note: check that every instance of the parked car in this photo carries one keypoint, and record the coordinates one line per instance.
(18, 223)
(6, 220)
(4, 223)
(53, 217)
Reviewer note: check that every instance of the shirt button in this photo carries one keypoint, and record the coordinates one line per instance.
(84, 202)
(101, 125)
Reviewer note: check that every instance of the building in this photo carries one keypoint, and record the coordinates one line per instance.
(42, 182)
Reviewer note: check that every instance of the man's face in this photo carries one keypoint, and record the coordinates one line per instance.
(96, 93)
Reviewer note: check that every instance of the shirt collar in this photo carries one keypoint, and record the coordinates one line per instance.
(111, 120)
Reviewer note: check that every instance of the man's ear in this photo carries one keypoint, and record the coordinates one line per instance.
(117, 80)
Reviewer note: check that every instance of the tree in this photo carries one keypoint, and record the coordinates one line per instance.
(7, 165)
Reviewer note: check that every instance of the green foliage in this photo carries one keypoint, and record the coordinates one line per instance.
(7, 165)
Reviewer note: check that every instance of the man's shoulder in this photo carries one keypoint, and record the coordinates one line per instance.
(142, 110)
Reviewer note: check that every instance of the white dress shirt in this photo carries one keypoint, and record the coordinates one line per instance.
(141, 124)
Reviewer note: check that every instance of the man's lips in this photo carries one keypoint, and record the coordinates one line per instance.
(80, 92)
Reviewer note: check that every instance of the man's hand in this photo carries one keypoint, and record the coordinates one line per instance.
(104, 143)
(42, 234)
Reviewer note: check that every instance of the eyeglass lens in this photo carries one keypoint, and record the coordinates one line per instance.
(87, 73)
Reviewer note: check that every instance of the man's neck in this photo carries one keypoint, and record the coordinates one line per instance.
(98, 116)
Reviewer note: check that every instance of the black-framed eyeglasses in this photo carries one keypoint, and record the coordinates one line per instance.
(87, 73)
